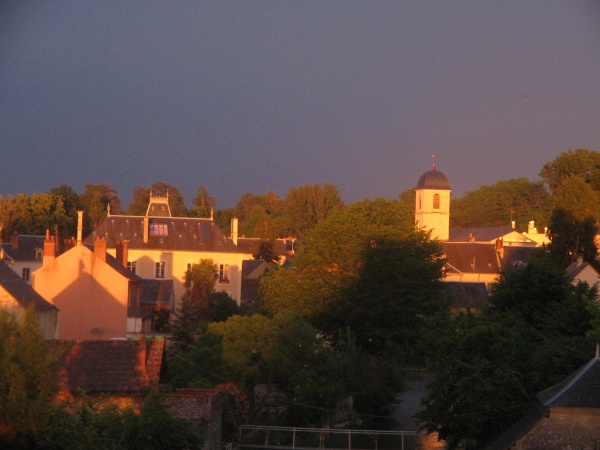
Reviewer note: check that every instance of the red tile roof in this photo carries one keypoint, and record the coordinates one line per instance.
(111, 366)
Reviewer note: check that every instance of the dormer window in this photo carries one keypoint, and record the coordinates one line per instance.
(436, 201)
(159, 229)
(38, 254)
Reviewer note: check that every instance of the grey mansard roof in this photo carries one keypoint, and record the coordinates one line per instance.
(165, 233)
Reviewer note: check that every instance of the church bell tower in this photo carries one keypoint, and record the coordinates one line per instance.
(432, 204)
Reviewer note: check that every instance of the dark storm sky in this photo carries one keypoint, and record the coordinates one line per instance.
(250, 96)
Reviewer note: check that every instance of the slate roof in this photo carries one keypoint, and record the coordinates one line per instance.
(172, 233)
(472, 295)
(26, 248)
(157, 292)
(252, 270)
(433, 179)
(21, 290)
(575, 268)
(486, 234)
(111, 366)
(248, 245)
(473, 257)
(581, 389)
(117, 266)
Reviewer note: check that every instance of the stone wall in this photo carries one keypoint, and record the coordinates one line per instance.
(203, 408)
(564, 428)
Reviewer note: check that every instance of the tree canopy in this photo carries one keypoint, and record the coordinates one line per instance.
(517, 200)
(488, 368)
(582, 163)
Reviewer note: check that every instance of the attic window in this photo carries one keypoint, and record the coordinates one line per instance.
(159, 229)
(436, 201)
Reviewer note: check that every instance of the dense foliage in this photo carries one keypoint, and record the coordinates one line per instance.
(29, 418)
(488, 368)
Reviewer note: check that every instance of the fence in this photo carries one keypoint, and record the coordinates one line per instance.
(264, 437)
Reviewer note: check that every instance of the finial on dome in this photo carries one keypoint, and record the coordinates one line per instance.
(432, 162)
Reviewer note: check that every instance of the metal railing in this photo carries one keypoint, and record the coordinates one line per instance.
(265, 437)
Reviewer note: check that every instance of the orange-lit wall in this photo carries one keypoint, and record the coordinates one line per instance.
(92, 296)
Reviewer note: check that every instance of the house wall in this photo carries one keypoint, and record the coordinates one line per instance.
(564, 428)
(48, 319)
(487, 278)
(176, 263)
(587, 274)
(18, 267)
(91, 295)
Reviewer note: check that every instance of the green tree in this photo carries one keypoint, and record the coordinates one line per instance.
(487, 368)
(199, 284)
(286, 353)
(203, 204)
(478, 389)
(7, 213)
(37, 213)
(330, 259)
(199, 364)
(517, 200)
(396, 288)
(95, 201)
(71, 205)
(28, 375)
(221, 306)
(582, 163)
(577, 197)
(308, 204)
(571, 237)
(265, 250)
(141, 198)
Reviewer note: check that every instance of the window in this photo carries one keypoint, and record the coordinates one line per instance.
(436, 201)
(131, 265)
(160, 269)
(223, 273)
(159, 229)
(26, 273)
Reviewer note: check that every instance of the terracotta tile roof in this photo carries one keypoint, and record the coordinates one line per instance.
(168, 233)
(21, 290)
(111, 366)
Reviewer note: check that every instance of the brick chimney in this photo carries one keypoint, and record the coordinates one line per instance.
(100, 248)
(123, 252)
(49, 249)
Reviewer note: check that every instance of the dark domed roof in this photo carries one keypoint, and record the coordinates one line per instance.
(433, 180)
